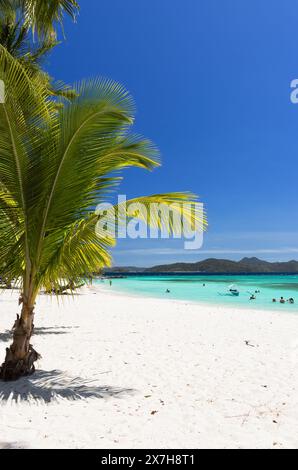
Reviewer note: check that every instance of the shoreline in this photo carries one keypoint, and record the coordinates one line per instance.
(123, 293)
(132, 372)
(104, 288)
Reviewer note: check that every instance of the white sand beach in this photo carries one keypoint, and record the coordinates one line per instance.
(124, 372)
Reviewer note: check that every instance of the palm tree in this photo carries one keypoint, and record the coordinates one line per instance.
(41, 17)
(54, 168)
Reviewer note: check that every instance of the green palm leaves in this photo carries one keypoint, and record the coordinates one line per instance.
(19, 20)
(55, 167)
(41, 16)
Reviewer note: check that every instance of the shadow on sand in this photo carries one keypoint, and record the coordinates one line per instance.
(55, 330)
(11, 445)
(46, 386)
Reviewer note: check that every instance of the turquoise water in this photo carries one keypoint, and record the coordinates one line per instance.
(216, 289)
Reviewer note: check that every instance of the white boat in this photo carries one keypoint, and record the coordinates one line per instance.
(233, 290)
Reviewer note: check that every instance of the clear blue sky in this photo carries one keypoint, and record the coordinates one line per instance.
(211, 80)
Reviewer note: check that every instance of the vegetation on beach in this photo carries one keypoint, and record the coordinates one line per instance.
(56, 164)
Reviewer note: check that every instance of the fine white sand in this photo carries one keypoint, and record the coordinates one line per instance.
(124, 372)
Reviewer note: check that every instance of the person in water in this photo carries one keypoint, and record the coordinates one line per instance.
(167, 291)
(253, 297)
(291, 300)
(273, 300)
(282, 300)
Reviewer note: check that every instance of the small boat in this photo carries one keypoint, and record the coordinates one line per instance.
(233, 290)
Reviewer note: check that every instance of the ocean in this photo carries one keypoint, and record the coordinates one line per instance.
(214, 289)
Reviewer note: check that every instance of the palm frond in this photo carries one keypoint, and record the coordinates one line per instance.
(16, 39)
(79, 252)
(56, 166)
(24, 110)
(42, 16)
(167, 212)
(70, 167)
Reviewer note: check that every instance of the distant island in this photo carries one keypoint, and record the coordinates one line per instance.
(216, 266)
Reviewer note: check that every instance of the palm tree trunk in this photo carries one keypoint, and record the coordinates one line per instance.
(20, 356)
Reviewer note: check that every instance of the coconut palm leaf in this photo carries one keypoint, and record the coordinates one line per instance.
(63, 165)
(16, 40)
(55, 167)
(41, 16)
(25, 109)
(16, 37)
